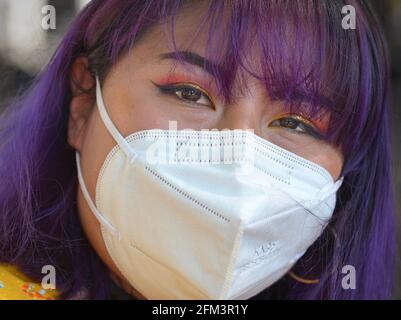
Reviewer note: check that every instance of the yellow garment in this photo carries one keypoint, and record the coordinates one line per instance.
(14, 285)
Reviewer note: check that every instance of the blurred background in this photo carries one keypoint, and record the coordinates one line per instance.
(25, 47)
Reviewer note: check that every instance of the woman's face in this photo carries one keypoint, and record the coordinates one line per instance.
(142, 91)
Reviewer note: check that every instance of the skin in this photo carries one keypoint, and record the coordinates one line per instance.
(134, 103)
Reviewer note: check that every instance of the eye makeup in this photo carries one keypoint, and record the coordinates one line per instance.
(316, 130)
(178, 78)
(175, 81)
(190, 88)
(178, 84)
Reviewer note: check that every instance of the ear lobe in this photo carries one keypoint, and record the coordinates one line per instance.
(82, 101)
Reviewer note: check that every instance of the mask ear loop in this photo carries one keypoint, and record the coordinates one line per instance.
(319, 197)
(123, 144)
(106, 223)
(329, 190)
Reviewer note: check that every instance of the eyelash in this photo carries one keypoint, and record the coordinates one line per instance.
(173, 90)
(299, 121)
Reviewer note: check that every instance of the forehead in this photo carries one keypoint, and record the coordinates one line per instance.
(187, 31)
(284, 51)
(192, 31)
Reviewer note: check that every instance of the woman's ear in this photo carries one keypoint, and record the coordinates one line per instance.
(82, 101)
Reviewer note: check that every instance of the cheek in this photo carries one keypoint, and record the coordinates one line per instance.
(144, 115)
(330, 159)
(140, 110)
(96, 145)
(318, 152)
(154, 113)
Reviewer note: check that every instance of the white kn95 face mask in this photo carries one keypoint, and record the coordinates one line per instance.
(197, 221)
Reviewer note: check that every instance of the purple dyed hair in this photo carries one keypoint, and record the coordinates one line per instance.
(306, 58)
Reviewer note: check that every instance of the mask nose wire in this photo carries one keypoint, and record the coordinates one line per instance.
(123, 144)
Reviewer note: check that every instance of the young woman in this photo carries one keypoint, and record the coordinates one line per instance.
(315, 220)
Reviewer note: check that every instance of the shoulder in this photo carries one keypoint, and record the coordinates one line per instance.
(14, 285)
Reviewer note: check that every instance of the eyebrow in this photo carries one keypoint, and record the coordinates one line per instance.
(207, 65)
(194, 59)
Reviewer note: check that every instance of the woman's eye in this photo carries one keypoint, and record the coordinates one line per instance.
(296, 125)
(189, 94)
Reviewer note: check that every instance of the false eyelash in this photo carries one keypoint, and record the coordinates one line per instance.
(167, 88)
(309, 130)
(172, 89)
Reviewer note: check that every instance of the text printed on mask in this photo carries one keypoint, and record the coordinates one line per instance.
(201, 309)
